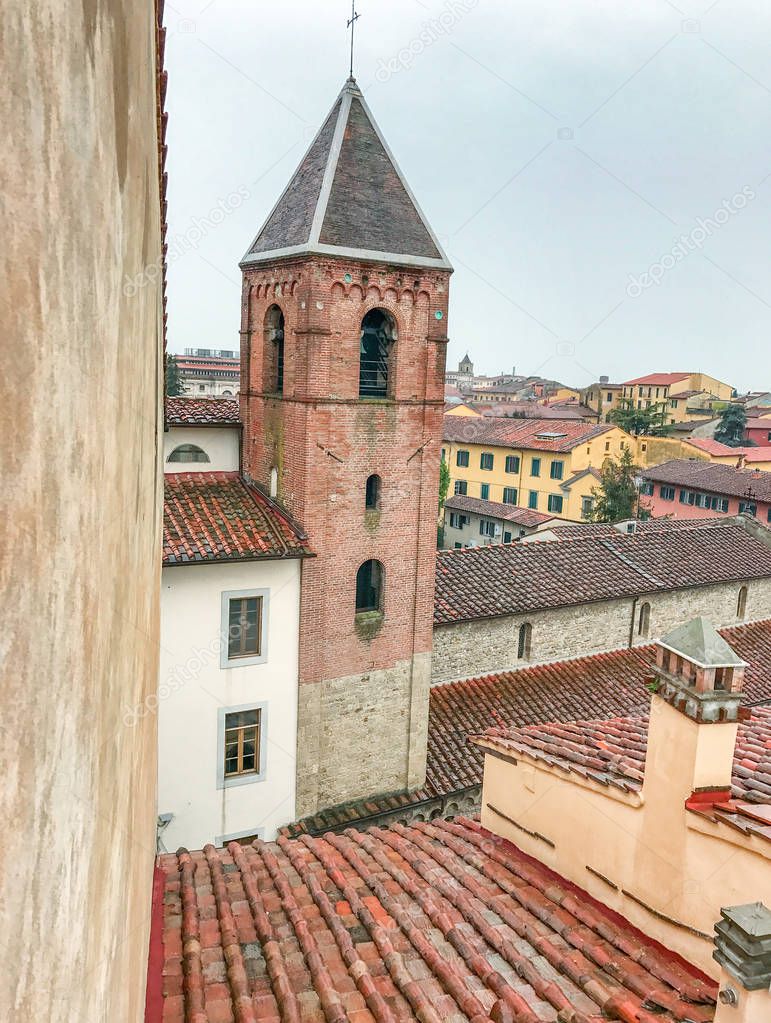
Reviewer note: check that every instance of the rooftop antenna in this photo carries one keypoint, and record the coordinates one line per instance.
(352, 26)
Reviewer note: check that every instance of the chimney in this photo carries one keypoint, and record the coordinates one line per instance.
(743, 950)
(695, 714)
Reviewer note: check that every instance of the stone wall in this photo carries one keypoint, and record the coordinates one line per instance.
(362, 735)
(487, 645)
(80, 419)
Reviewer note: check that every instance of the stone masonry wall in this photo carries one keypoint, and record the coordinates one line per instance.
(468, 649)
(363, 734)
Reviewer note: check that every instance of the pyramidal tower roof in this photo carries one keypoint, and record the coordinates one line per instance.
(348, 198)
(699, 642)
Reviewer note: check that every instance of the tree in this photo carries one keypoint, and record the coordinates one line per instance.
(651, 421)
(173, 379)
(733, 423)
(616, 497)
(444, 482)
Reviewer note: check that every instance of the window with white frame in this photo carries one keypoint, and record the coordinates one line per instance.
(244, 628)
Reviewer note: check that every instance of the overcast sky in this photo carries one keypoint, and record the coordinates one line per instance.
(598, 171)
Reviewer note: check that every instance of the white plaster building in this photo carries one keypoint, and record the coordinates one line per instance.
(230, 595)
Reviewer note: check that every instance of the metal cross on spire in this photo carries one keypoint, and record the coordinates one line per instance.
(352, 26)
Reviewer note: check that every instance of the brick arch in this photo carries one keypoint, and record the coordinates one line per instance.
(337, 291)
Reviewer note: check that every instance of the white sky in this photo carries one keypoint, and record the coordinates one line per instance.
(559, 148)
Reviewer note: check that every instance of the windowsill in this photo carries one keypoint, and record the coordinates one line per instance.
(368, 623)
(240, 779)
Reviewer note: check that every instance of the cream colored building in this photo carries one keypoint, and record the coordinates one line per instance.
(653, 817)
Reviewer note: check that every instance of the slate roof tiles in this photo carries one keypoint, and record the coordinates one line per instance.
(439, 922)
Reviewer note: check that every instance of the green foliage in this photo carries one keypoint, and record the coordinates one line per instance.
(444, 482)
(173, 379)
(616, 497)
(652, 421)
(730, 429)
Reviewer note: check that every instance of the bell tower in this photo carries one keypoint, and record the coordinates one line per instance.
(343, 341)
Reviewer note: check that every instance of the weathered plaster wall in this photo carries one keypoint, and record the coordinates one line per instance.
(79, 554)
(487, 645)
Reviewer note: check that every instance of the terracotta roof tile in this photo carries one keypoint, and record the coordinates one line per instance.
(658, 379)
(435, 922)
(497, 510)
(202, 412)
(485, 582)
(218, 516)
(612, 752)
(712, 477)
(603, 685)
(558, 435)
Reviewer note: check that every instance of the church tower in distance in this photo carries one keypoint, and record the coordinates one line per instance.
(343, 341)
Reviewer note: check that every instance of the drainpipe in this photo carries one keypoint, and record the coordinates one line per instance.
(631, 623)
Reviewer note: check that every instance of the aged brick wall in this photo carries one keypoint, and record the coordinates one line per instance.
(487, 645)
(324, 441)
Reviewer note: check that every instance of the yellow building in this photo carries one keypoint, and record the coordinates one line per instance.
(681, 397)
(602, 398)
(461, 409)
(547, 465)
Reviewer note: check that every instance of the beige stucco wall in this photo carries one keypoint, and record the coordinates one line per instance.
(467, 649)
(79, 554)
(646, 846)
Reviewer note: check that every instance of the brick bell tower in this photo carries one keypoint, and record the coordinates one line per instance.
(343, 341)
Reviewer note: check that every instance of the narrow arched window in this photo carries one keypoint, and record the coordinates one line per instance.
(741, 603)
(378, 333)
(524, 641)
(369, 587)
(188, 453)
(372, 493)
(274, 350)
(273, 481)
(644, 620)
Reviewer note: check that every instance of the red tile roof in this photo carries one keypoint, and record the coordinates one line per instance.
(613, 752)
(714, 447)
(218, 516)
(496, 510)
(486, 582)
(202, 412)
(434, 922)
(606, 685)
(559, 435)
(712, 477)
(657, 379)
